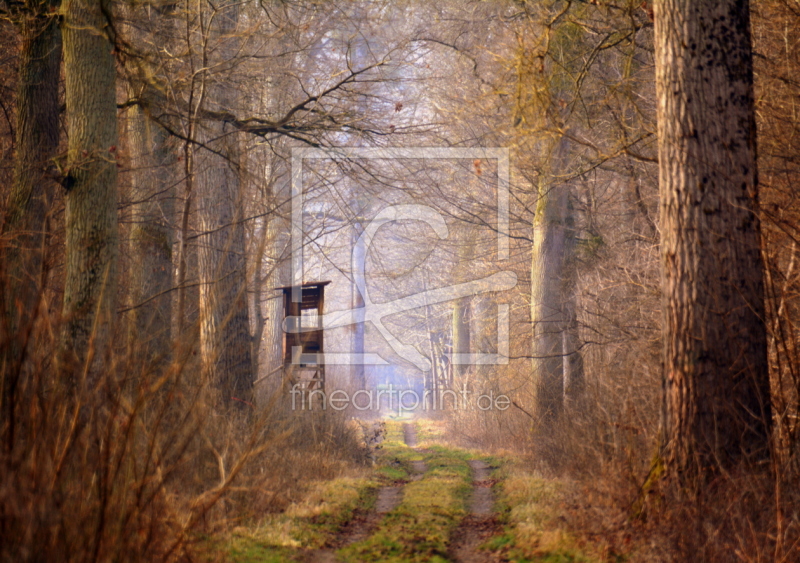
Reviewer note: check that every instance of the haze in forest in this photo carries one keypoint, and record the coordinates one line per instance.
(273, 272)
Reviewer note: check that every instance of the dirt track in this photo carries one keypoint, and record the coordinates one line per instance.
(478, 526)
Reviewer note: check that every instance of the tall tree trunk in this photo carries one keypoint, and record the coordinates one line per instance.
(358, 378)
(225, 339)
(278, 263)
(150, 238)
(276, 96)
(461, 335)
(91, 202)
(572, 360)
(717, 396)
(547, 296)
(462, 310)
(36, 142)
(31, 192)
(224, 321)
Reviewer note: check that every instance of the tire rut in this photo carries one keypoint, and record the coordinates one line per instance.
(410, 435)
(480, 524)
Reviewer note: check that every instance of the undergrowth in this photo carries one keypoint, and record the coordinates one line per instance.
(136, 461)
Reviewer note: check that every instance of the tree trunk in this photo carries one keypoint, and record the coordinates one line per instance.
(358, 375)
(150, 239)
(547, 295)
(462, 311)
(31, 192)
(717, 397)
(572, 360)
(225, 340)
(36, 142)
(278, 244)
(461, 335)
(91, 202)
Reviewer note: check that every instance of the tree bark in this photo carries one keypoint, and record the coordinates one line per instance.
(358, 378)
(91, 202)
(224, 323)
(572, 360)
(24, 224)
(278, 264)
(462, 310)
(225, 340)
(717, 396)
(151, 239)
(461, 334)
(548, 268)
(37, 137)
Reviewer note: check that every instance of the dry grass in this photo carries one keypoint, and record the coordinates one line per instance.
(592, 487)
(307, 523)
(136, 463)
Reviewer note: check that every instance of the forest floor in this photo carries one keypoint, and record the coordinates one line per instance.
(425, 500)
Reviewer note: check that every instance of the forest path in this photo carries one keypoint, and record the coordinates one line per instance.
(426, 500)
(447, 508)
(480, 523)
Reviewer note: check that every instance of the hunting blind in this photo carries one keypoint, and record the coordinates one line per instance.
(303, 349)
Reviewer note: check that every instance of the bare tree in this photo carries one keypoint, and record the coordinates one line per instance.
(149, 196)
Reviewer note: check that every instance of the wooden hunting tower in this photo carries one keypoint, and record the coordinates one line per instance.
(303, 349)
